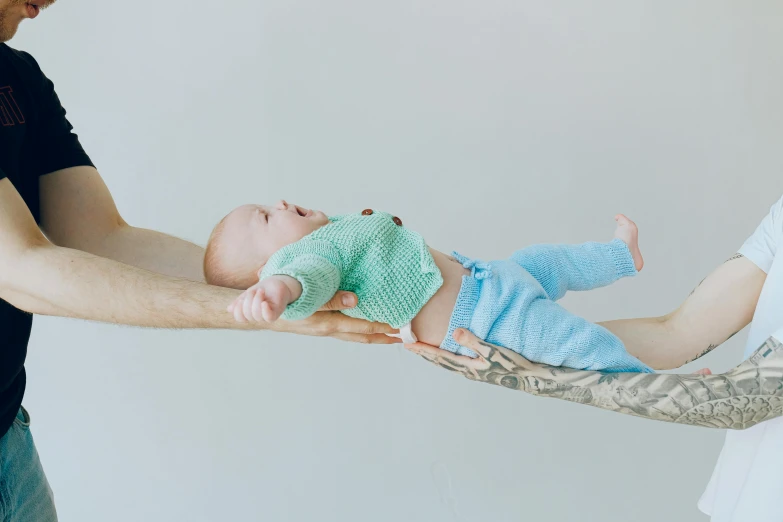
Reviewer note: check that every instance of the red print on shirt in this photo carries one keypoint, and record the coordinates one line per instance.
(10, 113)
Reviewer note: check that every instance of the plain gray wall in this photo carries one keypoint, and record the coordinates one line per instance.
(486, 126)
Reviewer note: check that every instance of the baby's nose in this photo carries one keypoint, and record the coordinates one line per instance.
(282, 205)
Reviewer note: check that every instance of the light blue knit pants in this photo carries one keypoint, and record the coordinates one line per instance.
(511, 303)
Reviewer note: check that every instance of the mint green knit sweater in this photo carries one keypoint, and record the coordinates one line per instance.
(386, 265)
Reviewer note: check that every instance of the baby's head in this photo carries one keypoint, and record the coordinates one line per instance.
(244, 240)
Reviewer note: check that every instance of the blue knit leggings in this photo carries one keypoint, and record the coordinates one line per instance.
(511, 303)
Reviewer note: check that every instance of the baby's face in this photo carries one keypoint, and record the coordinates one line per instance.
(261, 230)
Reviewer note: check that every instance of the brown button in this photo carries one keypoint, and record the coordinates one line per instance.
(397, 221)
(367, 212)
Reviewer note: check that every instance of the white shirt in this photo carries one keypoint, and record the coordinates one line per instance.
(747, 483)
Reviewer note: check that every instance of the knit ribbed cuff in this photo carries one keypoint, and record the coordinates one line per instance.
(303, 307)
(623, 260)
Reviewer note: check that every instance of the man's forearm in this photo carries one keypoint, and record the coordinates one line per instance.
(153, 251)
(748, 394)
(50, 280)
(743, 397)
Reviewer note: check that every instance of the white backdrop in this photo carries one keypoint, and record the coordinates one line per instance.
(486, 126)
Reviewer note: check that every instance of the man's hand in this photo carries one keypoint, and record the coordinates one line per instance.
(260, 303)
(329, 322)
(493, 364)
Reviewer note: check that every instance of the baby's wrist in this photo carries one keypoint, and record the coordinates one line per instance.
(294, 287)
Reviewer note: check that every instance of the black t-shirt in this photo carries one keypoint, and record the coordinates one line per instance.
(35, 139)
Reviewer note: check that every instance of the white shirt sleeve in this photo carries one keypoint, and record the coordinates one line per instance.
(762, 245)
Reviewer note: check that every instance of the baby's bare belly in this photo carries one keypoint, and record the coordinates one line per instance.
(432, 322)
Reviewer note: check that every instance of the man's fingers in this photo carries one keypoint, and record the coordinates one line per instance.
(340, 326)
(341, 301)
(367, 339)
(508, 358)
(443, 357)
(468, 340)
(345, 324)
(380, 328)
(423, 349)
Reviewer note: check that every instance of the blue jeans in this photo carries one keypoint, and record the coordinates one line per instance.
(25, 495)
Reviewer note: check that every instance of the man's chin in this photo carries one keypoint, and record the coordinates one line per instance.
(6, 33)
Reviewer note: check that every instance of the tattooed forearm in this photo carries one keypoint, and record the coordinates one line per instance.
(750, 393)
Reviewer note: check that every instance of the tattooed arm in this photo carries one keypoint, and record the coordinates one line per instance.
(721, 306)
(738, 399)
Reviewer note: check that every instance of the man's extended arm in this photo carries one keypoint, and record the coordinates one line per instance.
(722, 305)
(39, 277)
(78, 211)
(42, 277)
(748, 394)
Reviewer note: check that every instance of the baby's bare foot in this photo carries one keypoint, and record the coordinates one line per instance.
(629, 234)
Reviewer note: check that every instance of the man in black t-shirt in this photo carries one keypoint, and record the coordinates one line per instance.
(65, 251)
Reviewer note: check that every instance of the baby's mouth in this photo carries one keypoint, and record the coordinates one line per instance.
(302, 212)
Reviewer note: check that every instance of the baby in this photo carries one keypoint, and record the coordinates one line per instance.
(292, 260)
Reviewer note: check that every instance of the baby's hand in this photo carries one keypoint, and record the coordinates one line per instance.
(265, 300)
